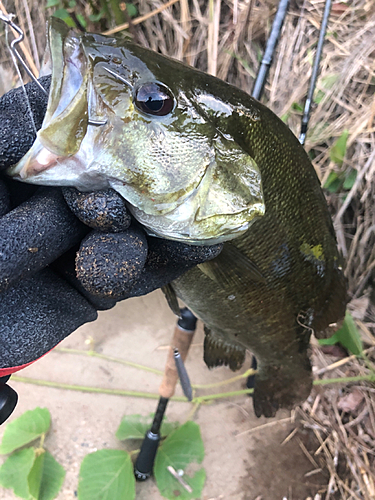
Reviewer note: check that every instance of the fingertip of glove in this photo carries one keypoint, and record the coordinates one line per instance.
(107, 264)
(104, 210)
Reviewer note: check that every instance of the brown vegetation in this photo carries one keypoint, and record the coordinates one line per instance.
(227, 39)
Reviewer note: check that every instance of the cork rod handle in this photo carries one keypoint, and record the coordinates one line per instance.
(181, 340)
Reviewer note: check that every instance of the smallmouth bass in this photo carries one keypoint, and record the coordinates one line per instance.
(200, 161)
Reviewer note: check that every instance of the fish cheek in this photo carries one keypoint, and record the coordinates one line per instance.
(113, 92)
(233, 185)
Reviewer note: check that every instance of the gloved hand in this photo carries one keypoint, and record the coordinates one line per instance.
(65, 254)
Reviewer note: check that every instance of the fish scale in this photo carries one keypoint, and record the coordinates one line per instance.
(301, 291)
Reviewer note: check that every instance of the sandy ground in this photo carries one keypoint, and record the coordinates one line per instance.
(244, 459)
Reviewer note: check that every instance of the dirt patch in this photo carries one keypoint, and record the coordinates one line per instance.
(284, 470)
(241, 461)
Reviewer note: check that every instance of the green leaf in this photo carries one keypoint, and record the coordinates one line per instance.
(338, 150)
(46, 477)
(132, 9)
(106, 475)
(180, 449)
(65, 16)
(297, 107)
(333, 183)
(348, 336)
(136, 426)
(15, 470)
(319, 96)
(285, 117)
(52, 3)
(328, 81)
(82, 20)
(350, 179)
(25, 429)
(168, 427)
(96, 17)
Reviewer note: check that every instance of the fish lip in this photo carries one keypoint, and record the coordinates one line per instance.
(33, 165)
(69, 64)
(68, 86)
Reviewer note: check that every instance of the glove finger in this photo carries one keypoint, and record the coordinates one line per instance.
(65, 267)
(19, 191)
(4, 199)
(20, 118)
(36, 315)
(108, 264)
(104, 210)
(166, 261)
(34, 234)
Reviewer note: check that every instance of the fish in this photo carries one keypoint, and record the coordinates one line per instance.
(200, 161)
(115, 119)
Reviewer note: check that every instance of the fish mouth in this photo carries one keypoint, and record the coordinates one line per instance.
(66, 120)
(43, 161)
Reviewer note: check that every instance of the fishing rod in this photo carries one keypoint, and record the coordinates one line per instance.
(269, 53)
(174, 370)
(145, 460)
(315, 72)
(272, 42)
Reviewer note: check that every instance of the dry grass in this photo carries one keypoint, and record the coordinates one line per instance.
(226, 38)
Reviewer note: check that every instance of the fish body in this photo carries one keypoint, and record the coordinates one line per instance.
(200, 161)
(302, 288)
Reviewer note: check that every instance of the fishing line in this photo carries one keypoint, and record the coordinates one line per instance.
(16, 57)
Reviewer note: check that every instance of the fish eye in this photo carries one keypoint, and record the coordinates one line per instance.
(154, 99)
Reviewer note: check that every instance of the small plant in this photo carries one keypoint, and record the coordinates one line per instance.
(340, 180)
(30, 471)
(33, 474)
(348, 336)
(108, 474)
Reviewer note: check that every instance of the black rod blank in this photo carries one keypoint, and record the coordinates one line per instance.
(145, 460)
(270, 49)
(315, 72)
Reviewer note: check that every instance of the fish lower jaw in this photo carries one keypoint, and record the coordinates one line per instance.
(43, 167)
(186, 230)
(33, 166)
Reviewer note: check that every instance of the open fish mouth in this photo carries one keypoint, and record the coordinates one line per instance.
(116, 118)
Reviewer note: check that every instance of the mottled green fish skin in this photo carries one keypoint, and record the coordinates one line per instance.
(294, 283)
(294, 247)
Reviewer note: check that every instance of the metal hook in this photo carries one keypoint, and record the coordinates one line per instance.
(8, 20)
(183, 375)
(97, 123)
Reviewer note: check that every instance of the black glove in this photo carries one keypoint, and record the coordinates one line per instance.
(65, 254)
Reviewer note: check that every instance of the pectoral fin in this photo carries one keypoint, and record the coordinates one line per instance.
(171, 297)
(232, 267)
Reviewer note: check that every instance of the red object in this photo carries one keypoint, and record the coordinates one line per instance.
(8, 371)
